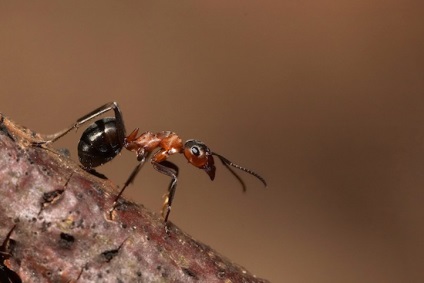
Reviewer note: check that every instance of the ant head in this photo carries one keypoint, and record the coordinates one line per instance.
(199, 155)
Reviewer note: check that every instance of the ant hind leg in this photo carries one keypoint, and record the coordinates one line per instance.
(93, 114)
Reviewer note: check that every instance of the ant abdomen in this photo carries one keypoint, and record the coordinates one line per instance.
(100, 143)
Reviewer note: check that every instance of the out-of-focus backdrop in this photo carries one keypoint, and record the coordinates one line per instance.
(325, 99)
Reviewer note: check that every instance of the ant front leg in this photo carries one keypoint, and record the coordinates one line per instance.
(93, 114)
(171, 170)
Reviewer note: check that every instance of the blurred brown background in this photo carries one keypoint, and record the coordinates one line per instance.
(323, 98)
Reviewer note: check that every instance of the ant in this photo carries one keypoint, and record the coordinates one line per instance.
(105, 138)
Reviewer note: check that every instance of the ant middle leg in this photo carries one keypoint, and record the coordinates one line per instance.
(93, 114)
(141, 159)
(171, 170)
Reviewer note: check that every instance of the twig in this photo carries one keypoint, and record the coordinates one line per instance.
(62, 232)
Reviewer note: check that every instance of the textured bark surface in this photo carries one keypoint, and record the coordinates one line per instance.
(62, 232)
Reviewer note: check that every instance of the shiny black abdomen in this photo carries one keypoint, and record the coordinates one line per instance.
(100, 143)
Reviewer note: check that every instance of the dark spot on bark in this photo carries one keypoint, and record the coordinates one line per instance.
(45, 226)
(50, 197)
(189, 272)
(167, 231)
(109, 255)
(66, 240)
(164, 274)
(221, 274)
(80, 223)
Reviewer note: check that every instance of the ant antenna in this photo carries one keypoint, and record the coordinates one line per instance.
(228, 163)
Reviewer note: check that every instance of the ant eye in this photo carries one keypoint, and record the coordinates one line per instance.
(195, 150)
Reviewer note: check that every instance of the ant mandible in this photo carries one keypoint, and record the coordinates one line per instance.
(106, 137)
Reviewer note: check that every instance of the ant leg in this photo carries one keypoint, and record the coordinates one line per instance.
(171, 170)
(141, 159)
(130, 179)
(93, 114)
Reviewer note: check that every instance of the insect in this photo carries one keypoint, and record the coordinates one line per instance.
(106, 137)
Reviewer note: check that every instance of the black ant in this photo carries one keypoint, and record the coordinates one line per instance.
(106, 137)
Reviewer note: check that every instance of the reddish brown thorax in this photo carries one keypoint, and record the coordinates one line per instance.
(168, 143)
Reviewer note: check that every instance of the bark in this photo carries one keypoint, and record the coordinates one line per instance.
(55, 214)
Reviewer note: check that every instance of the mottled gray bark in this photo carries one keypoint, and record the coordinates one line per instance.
(62, 231)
